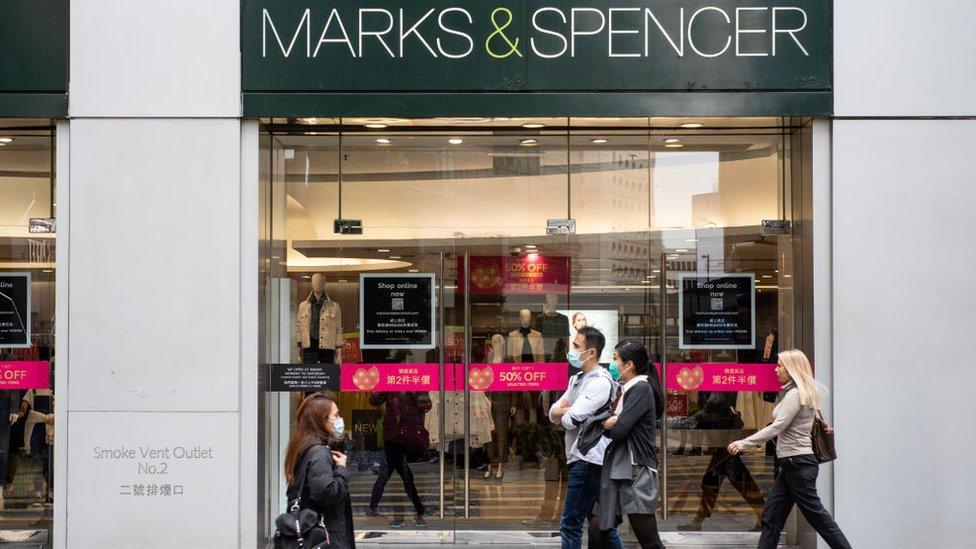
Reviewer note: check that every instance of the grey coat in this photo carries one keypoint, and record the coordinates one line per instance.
(629, 482)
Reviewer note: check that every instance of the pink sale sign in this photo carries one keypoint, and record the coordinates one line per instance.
(33, 374)
(726, 376)
(541, 376)
(389, 377)
(525, 376)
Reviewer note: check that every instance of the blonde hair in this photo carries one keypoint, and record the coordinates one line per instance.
(798, 366)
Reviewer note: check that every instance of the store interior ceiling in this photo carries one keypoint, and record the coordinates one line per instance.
(714, 180)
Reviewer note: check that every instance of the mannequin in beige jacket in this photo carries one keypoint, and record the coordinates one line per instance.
(321, 344)
(525, 344)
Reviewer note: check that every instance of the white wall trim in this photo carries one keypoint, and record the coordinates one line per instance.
(61, 355)
(250, 152)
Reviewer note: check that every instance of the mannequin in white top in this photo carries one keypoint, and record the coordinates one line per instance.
(319, 325)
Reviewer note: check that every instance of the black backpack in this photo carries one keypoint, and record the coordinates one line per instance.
(300, 528)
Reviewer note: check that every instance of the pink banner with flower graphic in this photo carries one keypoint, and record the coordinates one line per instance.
(534, 376)
(33, 374)
(525, 376)
(389, 377)
(722, 377)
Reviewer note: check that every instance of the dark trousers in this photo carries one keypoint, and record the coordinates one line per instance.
(797, 483)
(314, 355)
(724, 465)
(396, 460)
(644, 527)
(582, 491)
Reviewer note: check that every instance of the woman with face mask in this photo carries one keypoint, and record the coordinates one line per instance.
(325, 489)
(629, 482)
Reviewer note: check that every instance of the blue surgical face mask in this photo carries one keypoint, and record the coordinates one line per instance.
(574, 358)
(339, 426)
(614, 371)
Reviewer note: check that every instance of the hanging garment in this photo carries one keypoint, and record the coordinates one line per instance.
(756, 412)
(481, 422)
(517, 342)
(330, 323)
(555, 331)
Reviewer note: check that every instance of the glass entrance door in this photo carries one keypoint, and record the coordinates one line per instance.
(726, 310)
(451, 439)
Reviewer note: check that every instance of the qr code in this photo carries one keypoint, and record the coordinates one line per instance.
(717, 303)
(397, 304)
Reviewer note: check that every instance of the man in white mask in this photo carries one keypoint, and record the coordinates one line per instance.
(589, 392)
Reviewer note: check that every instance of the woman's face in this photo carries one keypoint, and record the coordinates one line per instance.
(781, 374)
(333, 415)
(579, 321)
(626, 368)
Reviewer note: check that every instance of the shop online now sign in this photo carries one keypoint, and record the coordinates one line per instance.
(532, 45)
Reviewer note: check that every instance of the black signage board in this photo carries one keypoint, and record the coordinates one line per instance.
(396, 311)
(445, 57)
(717, 311)
(15, 310)
(33, 58)
(303, 377)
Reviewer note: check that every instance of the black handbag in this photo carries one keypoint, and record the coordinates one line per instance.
(822, 440)
(300, 528)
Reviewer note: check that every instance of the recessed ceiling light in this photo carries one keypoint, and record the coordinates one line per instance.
(531, 246)
(767, 276)
(48, 270)
(674, 146)
(383, 250)
(681, 250)
(376, 125)
(533, 126)
(645, 281)
(692, 125)
(413, 270)
(598, 140)
(529, 142)
(455, 141)
(6, 139)
(309, 120)
(394, 257)
(672, 140)
(787, 276)
(655, 271)
(382, 141)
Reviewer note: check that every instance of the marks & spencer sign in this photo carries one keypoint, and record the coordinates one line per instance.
(536, 46)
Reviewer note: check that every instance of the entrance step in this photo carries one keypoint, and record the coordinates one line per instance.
(416, 539)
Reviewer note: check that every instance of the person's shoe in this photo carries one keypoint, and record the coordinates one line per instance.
(690, 527)
(372, 512)
(396, 522)
(488, 473)
(421, 522)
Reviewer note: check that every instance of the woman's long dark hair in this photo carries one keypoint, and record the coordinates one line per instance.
(311, 428)
(631, 350)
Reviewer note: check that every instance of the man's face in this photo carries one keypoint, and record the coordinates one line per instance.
(579, 343)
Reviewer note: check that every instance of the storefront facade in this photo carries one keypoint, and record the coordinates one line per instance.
(500, 174)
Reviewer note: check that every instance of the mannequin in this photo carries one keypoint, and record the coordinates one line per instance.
(524, 343)
(319, 325)
(502, 413)
(554, 327)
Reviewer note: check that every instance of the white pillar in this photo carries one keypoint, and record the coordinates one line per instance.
(158, 356)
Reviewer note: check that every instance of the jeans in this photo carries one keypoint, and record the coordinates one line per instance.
(582, 491)
(797, 483)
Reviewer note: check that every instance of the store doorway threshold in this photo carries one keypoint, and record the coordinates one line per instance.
(500, 539)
